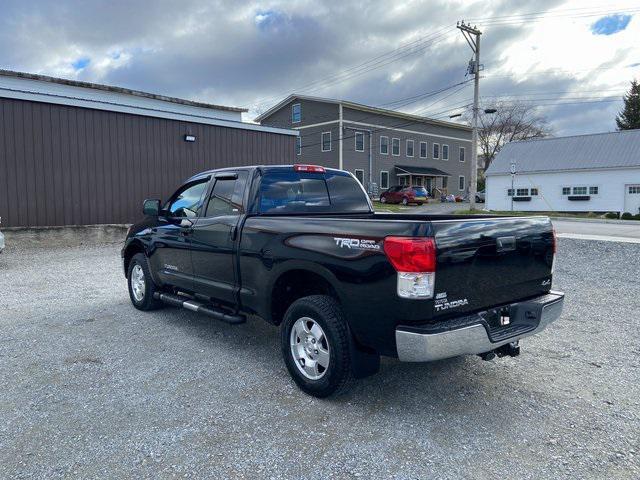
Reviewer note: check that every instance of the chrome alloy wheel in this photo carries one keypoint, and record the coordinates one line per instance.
(309, 348)
(137, 283)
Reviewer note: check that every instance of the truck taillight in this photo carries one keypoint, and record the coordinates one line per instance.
(308, 168)
(414, 258)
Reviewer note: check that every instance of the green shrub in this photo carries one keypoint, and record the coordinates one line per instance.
(627, 216)
(611, 215)
(636, 217)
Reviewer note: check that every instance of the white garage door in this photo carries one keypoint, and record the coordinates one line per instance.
(632, 198)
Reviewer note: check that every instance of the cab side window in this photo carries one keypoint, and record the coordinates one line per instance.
(227, 196)
(186, 201)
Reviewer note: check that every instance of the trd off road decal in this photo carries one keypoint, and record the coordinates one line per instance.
(356, 243)
(442, 302)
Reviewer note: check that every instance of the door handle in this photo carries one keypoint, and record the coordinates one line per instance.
(233, 233)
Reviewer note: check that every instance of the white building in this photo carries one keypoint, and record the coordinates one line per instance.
(584, 173)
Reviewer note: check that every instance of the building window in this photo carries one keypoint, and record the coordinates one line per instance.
(395, 146)
(445, 182)
(384, 145)
(360, 175)
(634, 190)
(296, 113)
(436, 151)
(522, 192)
(326, 141)
(460, 182)
(579, 190)
(384, 179)
(593, 190)
(298, 145)
(409, 148)
(402, 180)
(510, 192)
(534, 192)
(566, 190)
(461, 154)
(359, 141)
(423, 149)
(445, 152)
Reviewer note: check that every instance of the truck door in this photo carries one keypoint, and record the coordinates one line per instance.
(171, 256)
(215, 237)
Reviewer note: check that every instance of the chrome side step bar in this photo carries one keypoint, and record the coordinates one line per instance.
(195, 306)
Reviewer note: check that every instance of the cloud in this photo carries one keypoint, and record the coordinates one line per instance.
(255, 53)
(610, 24)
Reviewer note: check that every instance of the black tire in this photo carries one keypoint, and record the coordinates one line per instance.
(326, 312)
(147, 302)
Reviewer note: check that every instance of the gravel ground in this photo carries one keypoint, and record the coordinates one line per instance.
(91, 387)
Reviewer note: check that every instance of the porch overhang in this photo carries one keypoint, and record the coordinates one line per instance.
(406, 170)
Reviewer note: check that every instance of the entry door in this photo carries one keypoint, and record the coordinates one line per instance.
(171, 256)
(215, 236)
(632, 199)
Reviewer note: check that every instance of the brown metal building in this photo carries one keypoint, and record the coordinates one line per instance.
(74, 153)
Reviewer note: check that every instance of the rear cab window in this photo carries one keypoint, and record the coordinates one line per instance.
(284, 191)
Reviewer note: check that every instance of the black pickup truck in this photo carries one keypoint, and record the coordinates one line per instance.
(301, 247)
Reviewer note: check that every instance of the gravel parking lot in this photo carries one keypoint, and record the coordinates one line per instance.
(91, 387)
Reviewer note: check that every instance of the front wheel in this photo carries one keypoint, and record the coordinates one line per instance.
(141, 286)
(315, 345)
(405, 201)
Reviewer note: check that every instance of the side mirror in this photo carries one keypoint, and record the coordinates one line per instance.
(151, 208)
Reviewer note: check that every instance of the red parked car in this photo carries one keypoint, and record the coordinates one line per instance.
(404, 195)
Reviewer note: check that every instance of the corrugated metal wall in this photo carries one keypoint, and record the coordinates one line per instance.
(64, 165)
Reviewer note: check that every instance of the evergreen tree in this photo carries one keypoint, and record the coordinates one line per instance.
(629, 117)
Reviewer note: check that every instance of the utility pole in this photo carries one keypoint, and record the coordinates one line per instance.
(472, 36)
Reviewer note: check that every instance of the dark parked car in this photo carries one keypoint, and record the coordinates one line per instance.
(405, 195)
(301, 247)
(480, 196)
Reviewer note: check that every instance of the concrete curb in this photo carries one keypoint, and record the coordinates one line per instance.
(74, 235)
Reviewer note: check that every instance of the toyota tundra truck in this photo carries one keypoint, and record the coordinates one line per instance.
(301, 247)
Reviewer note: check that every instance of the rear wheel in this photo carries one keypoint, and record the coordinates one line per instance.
(315, 345)
(141, 286)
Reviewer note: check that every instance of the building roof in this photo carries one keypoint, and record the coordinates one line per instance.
(363, 108)
(44, 89)
(580, 152)
(110, 88)
(411, 170)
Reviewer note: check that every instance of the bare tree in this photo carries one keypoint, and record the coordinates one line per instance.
(512, 121)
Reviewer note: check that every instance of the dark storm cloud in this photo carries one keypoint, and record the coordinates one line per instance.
(244, 53)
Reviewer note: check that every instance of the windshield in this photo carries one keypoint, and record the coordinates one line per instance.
(288, 191)
(420, 191)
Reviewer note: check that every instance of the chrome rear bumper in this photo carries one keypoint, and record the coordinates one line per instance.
(472, 335)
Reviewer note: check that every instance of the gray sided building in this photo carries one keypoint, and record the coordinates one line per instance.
(77, 153)
(381, 147)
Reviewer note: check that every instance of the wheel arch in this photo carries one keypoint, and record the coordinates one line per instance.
(134, 247)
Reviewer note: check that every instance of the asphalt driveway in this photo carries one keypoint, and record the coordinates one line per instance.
(92, 388)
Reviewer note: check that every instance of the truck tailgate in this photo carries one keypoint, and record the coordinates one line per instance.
(487, 262)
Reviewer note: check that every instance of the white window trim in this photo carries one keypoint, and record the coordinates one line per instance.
(445, 159)
(298, 145)
(355, 141)
(413, 148)
(426, 150)
(464, 183)
(395, 154)
(464, 154)
(387, 172)
(322, 141)
(292, 107)
(355, 174)
(433, 151)
(381, 152)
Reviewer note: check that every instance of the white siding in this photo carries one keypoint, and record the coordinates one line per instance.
(610, 197)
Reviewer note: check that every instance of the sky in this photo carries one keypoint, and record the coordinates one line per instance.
(572, 59)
